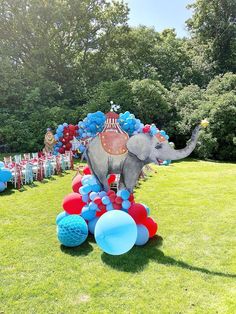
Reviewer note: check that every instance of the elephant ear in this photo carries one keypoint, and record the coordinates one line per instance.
(140, 146)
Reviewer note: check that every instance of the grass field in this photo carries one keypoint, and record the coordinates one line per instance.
(190, 267)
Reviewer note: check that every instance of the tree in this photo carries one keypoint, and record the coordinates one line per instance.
(214, 23)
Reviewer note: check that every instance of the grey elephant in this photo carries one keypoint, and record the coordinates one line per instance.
(142, 149)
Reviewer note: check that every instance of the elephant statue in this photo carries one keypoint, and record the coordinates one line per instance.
(141, 149)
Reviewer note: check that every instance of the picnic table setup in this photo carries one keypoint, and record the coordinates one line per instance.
(27, 168)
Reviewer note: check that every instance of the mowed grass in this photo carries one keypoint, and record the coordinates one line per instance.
(190, 267)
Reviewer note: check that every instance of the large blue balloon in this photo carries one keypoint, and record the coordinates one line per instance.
(5, 175)
(116, 232)
(72, 230)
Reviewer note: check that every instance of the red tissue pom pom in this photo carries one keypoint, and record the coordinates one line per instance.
(151, 225)
(76, 183)
(138, 213)
(73, 203)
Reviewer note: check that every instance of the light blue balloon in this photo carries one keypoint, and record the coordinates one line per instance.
(2, 165)
(72, 230)
(124, 194)
(126, 204)
(142, 235)
(2, 186)
(106, 200)
(85, 198)
(61, 216)
(56, 137)
(93, 206)
(92, 224)
(87, 188)
(82, 191)
(109, 207)
(93, 195)
(96, 188)
(5, 175)
(116, 232)
(102, 193)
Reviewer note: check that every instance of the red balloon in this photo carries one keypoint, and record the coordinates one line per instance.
(111, 192)
(61, 150)
(76, 127)
(138, 213)
(131, 198)
(112, 197)
(112, 178)
(73, 203)
(71, 127)
(151, 225)
(100, 213)
(118, 200)
(63, 140)
(87, 170)
(60, 139)
(76, 183)
(117, 206)
(146, 129)
(97, 200)
(68, 146)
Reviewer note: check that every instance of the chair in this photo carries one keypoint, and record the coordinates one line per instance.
(48, 168)
(27, 156)
(28, 173)
(17, 159)
(34, 155)
(7, 160)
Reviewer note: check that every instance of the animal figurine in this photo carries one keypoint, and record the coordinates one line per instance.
(114, 152)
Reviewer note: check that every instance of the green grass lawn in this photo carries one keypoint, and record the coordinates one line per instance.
(190, 267)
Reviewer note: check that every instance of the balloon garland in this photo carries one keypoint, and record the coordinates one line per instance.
(116, 220)
(92, 125)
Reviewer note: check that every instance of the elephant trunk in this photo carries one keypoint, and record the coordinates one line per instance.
(175, 154)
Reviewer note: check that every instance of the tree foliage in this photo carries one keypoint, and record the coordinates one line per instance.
(60, 60)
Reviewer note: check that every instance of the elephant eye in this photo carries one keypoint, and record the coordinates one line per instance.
(158, 146)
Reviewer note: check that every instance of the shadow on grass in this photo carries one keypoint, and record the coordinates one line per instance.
(83, 249)
(137, 259)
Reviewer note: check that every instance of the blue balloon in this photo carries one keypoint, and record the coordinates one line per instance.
(102, 193)
(85, 198)
(61, 216)
(82, 191)
(2, 186)
(96, 188)
(142, 235)
(72, 230)
(5, 175)
(109, 207)
(126, 204)
(56, 137)
(92, 224)
(106, 200)
(87, 188)
(93, 195)
(88, 214)
(93, 206)
(2, 165)
(116, 232)
(124, 194)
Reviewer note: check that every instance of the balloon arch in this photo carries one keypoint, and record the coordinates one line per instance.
(76, 137)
